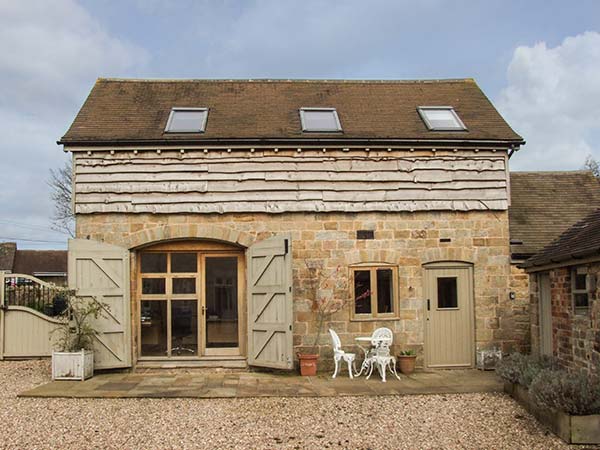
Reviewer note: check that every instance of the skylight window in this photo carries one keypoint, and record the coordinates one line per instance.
(187, 120)
(320, 119)
(441, 118)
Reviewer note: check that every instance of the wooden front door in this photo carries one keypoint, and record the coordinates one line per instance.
(270, 304)
(100, 272)
(545, 314)
(190, 301)
(449, 341)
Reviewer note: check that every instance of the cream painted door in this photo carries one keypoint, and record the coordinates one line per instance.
(270, 308)
(100, 272)
(449, 315)
(545, 314)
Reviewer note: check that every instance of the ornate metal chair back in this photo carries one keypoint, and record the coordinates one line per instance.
(337, 344)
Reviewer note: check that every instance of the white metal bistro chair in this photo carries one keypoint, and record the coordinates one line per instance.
(339, 354)
(380, 356)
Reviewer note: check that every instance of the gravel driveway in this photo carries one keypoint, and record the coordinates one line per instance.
(433, 421)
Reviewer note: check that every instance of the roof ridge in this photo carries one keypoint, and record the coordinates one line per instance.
(287, 80)
(554, 172)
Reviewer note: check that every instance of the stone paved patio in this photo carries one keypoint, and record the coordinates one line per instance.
(256, 384)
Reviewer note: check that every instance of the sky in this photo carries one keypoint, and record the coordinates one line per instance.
(538, 61)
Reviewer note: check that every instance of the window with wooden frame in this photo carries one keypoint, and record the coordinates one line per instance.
(580, 288)
(374, 288)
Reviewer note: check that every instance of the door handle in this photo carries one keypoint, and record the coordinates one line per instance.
(428, 305)
(203, 309)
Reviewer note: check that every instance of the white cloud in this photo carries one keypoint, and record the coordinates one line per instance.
(52, 52)
(553, 101)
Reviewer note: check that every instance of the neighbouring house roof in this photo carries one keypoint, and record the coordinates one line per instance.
(581, 240)
(544, 204)
(7, 255)
(41, 262)
(136, 111)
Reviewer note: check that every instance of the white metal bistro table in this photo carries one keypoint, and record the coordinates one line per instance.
(373, 343)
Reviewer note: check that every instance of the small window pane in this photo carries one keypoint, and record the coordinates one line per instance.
(580, 281)
(447, 292)
(384, 291)
(154, 262)
(581, 301)
(189, 121)
(184, 262)
(441, 119)
(362, 292)
(184, 285)
(319, 120)
(153, 285)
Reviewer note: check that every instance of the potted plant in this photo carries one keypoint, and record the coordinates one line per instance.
(320, 291)
(74, 355)
(406, 361)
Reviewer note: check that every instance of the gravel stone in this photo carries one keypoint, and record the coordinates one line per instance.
(470, 421)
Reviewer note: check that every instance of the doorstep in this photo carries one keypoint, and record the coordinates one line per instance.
(206, 362)
(259, 384)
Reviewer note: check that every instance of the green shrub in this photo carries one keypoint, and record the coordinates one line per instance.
(573, 393)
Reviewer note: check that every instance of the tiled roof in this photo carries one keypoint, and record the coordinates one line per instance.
(544, 204)
(581, 240)
(7, 255)
(118, 110)
(40, 261)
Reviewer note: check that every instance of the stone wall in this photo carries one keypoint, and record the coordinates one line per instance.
(405, 239)
(519, 309)
(575, 337)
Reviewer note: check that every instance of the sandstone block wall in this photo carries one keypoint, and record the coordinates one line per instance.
(519, 312)
(405, 239)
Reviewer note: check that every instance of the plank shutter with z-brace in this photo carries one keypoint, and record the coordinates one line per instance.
(101, 271)
(270, 308)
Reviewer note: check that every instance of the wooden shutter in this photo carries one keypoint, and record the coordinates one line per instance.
(270, 309)
(101, 271)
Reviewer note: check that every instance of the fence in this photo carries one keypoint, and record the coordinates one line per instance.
(29, 311)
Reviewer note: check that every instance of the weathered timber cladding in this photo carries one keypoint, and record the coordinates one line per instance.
(289, 181)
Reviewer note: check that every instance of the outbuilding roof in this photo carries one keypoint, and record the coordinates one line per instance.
(38, 262)
(581, 240)
(136, 111)
(544, 204)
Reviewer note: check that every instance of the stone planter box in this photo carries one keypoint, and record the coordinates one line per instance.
(571, 429)
(72, 366)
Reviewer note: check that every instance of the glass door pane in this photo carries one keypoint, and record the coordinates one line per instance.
(153, 324)
(184, 327)
(221, 302)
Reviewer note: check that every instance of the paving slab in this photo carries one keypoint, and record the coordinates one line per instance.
(258, 384)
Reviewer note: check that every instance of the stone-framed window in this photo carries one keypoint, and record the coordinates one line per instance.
(374, 289)
(580, 288)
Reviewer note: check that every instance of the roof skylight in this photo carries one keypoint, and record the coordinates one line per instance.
(441, 118)
(320, 119)
(187, 120)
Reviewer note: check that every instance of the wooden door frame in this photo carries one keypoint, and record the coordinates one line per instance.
(452, 265)
(241, 270)
(543, 349)
(204, 249)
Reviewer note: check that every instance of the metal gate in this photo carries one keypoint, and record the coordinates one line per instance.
(29, 311)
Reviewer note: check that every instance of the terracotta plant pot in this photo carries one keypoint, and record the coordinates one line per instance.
(407, 363)
(308, 364)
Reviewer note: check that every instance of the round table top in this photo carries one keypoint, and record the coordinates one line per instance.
(370, 338)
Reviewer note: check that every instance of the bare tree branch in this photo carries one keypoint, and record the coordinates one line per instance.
(592, 164)
(63, 219)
